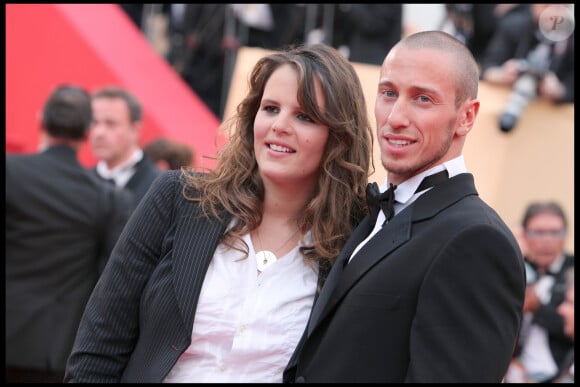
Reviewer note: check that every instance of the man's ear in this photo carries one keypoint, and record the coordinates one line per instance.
(467, 117)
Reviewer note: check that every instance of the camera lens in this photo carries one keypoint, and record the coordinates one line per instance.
(507, 122)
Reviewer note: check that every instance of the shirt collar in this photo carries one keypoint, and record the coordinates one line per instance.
(107, 173)
(406, 190)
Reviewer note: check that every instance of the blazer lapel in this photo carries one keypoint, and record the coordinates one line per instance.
(195, 242)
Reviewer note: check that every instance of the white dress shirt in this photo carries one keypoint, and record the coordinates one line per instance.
(247, 325)
(121, 173)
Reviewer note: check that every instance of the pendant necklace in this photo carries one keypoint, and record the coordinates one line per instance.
(265, 258)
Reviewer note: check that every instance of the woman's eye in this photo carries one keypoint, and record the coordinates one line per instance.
(305, 117)
(270, 109)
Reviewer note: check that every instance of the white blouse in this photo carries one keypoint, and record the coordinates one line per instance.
(247, 325)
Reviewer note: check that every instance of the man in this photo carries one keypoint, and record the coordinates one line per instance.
(543, 343)
(61, 225)
(434, 294)
(114, 139)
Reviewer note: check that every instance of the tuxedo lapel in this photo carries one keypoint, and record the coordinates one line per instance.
(358, 235)
(392, 235)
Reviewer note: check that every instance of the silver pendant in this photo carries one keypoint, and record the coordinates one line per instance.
(264, 259)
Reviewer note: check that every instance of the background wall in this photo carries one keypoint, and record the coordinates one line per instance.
(535, 161)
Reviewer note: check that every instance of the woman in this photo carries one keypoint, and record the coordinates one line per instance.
(215, 274)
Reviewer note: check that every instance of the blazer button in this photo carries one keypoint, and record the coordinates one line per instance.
(300, 379)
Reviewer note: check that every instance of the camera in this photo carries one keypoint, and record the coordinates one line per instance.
(531, 70)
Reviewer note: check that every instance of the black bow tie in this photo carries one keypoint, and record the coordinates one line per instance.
(384, 201)
(380, 201)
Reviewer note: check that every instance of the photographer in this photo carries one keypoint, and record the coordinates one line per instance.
(507, 56)
(544, 342)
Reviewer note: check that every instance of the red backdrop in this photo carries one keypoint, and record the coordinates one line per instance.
(95, 45)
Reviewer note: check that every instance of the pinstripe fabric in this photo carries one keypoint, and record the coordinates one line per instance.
(140, 316)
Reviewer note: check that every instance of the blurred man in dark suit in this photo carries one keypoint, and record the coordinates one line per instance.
(114, 139)
(61, 225)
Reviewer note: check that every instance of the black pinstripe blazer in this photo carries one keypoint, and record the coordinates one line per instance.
(139, 318)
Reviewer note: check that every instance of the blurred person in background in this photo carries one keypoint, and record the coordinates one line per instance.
(114, 139)
(61, 225)
(197, 51)
(270, 26)
(519, 46)
(368, 30)
(475, 24)
(168, 154)
(543, 343)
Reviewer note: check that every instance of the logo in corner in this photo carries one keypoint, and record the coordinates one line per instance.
(557, 22)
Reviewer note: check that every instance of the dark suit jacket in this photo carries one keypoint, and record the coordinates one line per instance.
(61, 225)
(435, 296)
(139, 319)
(145, 173)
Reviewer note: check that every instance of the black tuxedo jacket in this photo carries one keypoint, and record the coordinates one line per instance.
(435, 296)
(61, 225)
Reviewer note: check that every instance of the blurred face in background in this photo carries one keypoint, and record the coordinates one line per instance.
(544, 237)
(113, 137)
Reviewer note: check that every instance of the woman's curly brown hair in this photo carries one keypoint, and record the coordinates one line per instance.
(338, 203)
